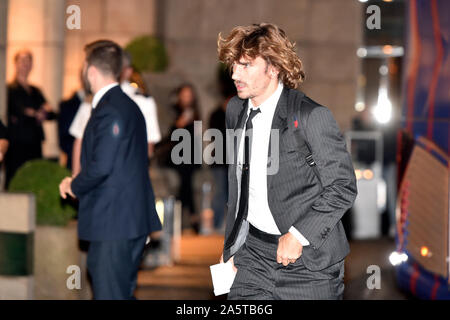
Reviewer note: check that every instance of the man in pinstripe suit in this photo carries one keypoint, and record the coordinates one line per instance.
(283, 231)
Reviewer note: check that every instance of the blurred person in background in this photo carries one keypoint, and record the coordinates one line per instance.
(3, 141)
(76, 130)
(27, 109)
(186, 108)
(67, 111)
(146, 103)
(219, 170)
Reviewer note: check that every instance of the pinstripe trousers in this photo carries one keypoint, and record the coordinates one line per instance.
(260, 277)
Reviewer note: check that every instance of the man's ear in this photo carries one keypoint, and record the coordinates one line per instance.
(273, 71)
(92, 73)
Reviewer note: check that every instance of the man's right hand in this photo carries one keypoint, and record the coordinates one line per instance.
(232, 262)
(65, 188)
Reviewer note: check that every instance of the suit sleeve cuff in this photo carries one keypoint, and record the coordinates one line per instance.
(299, 236)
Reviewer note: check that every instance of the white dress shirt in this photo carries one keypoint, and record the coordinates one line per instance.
(83, 114)
(259, 214)
(80, 120)
(147, 106)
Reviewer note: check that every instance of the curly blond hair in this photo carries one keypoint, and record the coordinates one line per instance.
(268, 41)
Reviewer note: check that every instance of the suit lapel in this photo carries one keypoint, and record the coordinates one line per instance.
(279, 123)
(240, 125)
(241, 117)
(279, 117)
(241, 111)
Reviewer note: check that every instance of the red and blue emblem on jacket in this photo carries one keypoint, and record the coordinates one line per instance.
(115, 130)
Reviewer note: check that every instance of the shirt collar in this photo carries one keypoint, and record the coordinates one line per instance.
(127, 88)
(100, 93)
(270, 102)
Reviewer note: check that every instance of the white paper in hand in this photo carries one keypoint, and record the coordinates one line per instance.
(222, 277)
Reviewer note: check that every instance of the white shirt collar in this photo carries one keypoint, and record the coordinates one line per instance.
(270, 101)
(100, 93)
(128, 88)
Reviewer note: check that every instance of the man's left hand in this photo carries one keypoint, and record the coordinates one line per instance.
(289, 249)
(65, 188)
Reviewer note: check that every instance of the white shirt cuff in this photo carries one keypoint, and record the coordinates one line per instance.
(299, 236)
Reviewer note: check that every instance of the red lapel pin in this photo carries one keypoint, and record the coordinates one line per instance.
(116, 129)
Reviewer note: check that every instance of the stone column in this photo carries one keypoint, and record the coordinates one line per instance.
(3, 19)
(3, 25)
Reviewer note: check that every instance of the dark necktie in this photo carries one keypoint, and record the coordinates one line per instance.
(245, 177)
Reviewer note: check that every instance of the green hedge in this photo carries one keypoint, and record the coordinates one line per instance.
(42, 177)
(148, 54)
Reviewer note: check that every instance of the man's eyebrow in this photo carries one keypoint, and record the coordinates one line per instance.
(243, 62)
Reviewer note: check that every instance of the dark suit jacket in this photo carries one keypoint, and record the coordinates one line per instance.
(67, 111)
(295, 195)
(24, 130)
(114, 189)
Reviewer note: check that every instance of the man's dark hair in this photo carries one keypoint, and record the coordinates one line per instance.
(106, 56)
(268, 41)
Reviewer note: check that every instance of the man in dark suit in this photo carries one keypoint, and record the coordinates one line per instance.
(283, 230)
(27, 109)
(67, 111)
(117, 206)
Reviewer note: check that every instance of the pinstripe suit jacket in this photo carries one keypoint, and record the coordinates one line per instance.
(296, 196)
